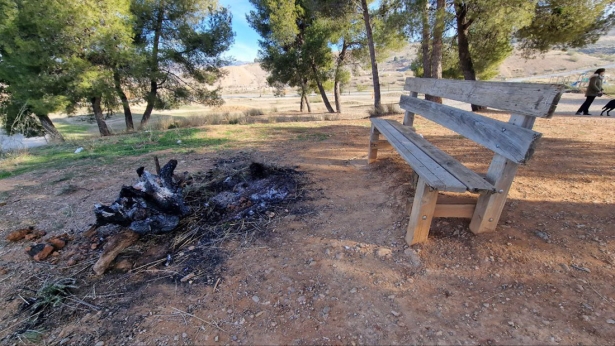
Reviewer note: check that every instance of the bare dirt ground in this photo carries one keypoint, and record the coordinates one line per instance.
(334, 268)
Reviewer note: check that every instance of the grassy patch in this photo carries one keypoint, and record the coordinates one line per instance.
(73, 131)
(105, 150)
(315, 137)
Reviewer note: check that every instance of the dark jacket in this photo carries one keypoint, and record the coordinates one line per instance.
(594, 87)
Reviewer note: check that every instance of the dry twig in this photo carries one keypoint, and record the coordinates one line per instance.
(213, 324)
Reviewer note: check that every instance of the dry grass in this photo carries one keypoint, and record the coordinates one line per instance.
(253, 112)
(387, 109)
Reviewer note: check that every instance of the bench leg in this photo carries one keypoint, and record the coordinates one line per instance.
(422, 212)
(489, 206)
(374, 137)
(501, 174)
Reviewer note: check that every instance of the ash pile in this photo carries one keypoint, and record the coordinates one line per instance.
(187, 217)
(234, 190)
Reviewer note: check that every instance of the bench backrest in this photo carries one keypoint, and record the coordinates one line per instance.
(531, 99)
(514, 142)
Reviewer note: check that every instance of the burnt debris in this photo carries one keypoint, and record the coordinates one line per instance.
(154, 204)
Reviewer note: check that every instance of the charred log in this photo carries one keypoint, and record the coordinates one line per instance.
(154, 204)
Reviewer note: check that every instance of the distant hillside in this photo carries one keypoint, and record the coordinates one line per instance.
(244, 78)
(394, 70)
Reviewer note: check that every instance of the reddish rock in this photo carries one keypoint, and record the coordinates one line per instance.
(71, 262)
(18, 234)
(44, 253)
(35, 235)
(57, 243)
(3, 271)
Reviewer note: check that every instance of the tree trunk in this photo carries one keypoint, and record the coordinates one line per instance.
(337, 87)
(425, 39)
(304, 96)
(337, 96)
(323, 94)
(436, 50)
(302, 101)
(463, 44)
(151, 96)
(372, 56)
(151, 99)
(307, 103)
(127, 113)
(50, 129)
(99, 116)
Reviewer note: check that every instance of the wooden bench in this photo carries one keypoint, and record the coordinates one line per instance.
(435, 171)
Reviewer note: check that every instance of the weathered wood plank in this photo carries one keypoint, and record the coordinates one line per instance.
(489, 207)
(531, 99)
(421, 215)
(454, 210)
(432, 172)
(409, 116)
(448, 206)
(501, 173)
(383, 144)
(469, 178)
(511, 141)
(457, 199)
(374, 137)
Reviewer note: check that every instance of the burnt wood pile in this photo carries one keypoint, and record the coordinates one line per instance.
(154, 204)
(235, 198)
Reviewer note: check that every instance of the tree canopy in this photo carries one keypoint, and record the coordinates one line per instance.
(59, 55)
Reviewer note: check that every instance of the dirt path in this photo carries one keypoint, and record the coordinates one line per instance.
(335, 269)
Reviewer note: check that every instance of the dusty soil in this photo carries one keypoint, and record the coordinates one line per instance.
(333, 268)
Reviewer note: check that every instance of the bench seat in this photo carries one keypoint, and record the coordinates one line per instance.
(440, 170)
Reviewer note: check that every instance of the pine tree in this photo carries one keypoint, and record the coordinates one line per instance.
(181, 43)
(55, 55)
(294, 44)
(566, 24)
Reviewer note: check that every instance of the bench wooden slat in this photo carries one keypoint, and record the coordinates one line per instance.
(511, 141)
(536, 100)
(473, 181)
(433, 173)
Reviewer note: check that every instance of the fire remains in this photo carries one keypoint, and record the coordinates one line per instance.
(153, 205)
(184, 220)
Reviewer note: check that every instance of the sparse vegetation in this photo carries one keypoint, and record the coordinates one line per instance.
(387, 109)
(253, 112)
(574, 57)
(332, 116)
(45, 299)
(102, 150)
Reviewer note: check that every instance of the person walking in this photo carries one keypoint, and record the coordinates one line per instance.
(594, 89)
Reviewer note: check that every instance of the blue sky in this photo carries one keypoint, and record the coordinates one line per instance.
(246, 39)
